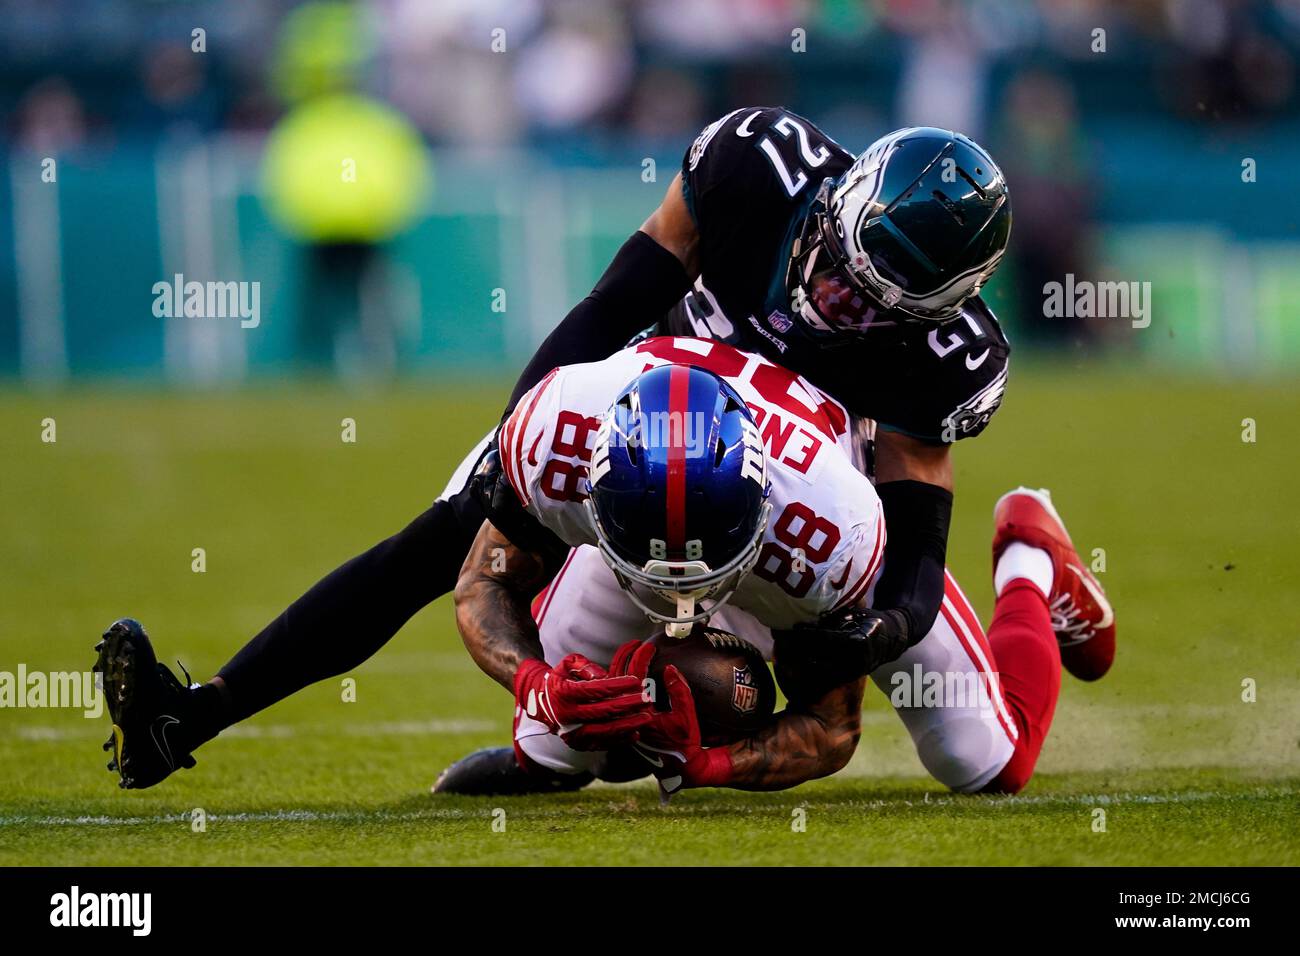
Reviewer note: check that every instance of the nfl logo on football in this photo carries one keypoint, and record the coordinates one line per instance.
(744, 696)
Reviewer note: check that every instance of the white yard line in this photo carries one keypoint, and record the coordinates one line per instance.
(387, 816)
(394, 728)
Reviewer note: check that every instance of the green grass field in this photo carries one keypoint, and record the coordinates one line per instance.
(1198, 527)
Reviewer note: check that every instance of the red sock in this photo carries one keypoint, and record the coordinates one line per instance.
(1029, 669)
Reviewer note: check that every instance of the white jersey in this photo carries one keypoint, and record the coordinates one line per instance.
(825, 540)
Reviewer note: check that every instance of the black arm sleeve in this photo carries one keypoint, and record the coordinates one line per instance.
(910, 590)
(643, 282)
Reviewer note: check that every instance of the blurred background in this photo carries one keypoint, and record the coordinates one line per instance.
(501, 150)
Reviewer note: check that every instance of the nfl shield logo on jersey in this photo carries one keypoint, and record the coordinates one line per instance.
(779, 321)
(744, 696)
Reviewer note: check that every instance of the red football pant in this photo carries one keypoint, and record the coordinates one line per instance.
(1029, 668)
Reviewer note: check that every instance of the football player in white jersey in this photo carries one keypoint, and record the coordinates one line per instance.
(716, 485)
(862, 274)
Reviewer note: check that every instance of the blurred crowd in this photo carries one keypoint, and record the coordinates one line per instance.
(73, 69)
(580, 78)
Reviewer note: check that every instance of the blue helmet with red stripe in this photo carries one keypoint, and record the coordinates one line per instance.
(678, 492)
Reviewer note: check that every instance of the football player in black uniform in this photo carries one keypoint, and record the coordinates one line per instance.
(861, 274)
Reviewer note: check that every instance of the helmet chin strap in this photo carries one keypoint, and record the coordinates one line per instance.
(685, 609)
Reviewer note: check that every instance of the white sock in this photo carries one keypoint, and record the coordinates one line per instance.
(1021, 560)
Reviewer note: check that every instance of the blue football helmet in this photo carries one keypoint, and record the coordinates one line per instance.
(678, 493)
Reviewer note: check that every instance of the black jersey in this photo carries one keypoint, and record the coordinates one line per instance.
(748, 181)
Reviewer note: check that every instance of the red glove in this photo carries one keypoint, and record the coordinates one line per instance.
(633, 658)
(580, 702)
(670, 742)
(673, 736)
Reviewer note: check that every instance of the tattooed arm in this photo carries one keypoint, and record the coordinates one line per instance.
(493, 604)
(576, 699)
(811, 738)
(805, 741)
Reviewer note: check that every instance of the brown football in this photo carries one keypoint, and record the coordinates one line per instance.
(732, 686)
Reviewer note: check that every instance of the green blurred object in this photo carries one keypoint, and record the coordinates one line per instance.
(321, 49)
(846, 20)
(344, 168)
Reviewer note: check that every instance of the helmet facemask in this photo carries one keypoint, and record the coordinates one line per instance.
(852, 265)
(823, 291)
(683, 586)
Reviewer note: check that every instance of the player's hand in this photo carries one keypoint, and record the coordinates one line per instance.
(581, 703)
(671, 742)
(815, 657)
(633, 658)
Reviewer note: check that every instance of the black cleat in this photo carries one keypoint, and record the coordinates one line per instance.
(495, 772)
(147, 705)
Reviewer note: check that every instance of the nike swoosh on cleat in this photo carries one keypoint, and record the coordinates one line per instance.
(162, 744)
(978, 362)
(652, 761)
(1108, 613)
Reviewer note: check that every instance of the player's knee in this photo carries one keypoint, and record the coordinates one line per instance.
(960, 755)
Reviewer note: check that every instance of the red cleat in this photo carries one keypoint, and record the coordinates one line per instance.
(1081, 616)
